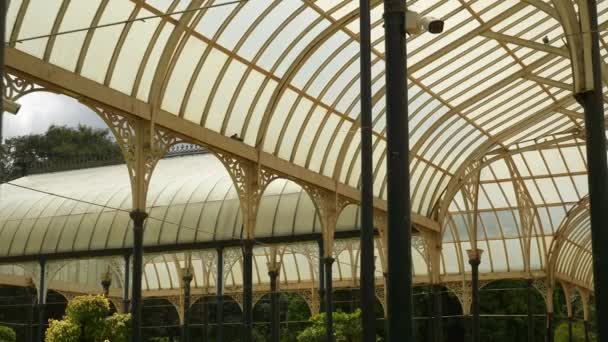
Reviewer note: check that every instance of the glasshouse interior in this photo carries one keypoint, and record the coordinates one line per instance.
(303, 170)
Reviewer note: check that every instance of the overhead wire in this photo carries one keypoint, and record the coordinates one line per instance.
(122, 22)
(257, 242)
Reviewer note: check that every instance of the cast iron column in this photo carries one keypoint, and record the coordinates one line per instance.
(367, 286)
(586, 323)
(549, 326)
(138, 218)
(275, 317)
(205, 319)
(41, 301)
(399, 285)
(570, 320)
(329, 307)
(321, 277)
(474, 261)
(187, 278)
(29, 297)
(593, 104)
(106, 282)
(125, 294)
(247, 290)
(530, 313)
(220, 294)
(438, 314)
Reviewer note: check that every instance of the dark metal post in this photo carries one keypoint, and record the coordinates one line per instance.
(530, 313)
(106, 282)
(570, 320)
(187, 278)
(593, 104)
(586, 323)
(549, 326)
(474, 261)
(329, 307)
(467, 327)
(220, 294)
(273, 273)
(247, 290)
(138, 218)
(29, 297)
(125, 295)
(321, 277)
(204, 333)
(438, 314)
(367, 279)
(41, 301)
(399, 285)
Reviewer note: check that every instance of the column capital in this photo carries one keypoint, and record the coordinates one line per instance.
(328, 260)
(138, 216)
(187, 275)
(474, 255)
(273, 268)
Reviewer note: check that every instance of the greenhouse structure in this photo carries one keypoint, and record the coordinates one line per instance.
(439, 165)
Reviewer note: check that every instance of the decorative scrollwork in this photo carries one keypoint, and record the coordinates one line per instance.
(16, 87)
(462, 291)
(311, 297)
(231, 257)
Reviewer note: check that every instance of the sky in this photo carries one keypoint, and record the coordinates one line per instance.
(40, 110)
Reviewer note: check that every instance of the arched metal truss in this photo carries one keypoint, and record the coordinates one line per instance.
(490, 109)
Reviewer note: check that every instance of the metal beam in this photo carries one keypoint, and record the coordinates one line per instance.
(85, 89)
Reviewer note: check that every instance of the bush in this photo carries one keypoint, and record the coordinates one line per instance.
(62, 331)
(7, 334)
(347, 328)
(87, 319)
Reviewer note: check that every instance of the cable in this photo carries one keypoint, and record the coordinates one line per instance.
(181, 226)
(142, 19)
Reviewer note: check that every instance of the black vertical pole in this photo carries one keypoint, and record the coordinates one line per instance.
(570, 319)
(220, 295)
(474, 261)
(138, 218)
(275, 317)
(549, 326)
(205, 319)
(399, 284)
(329, 307)
(367, 279)
(586, 323)
(429, 321)
(530, 313)
(592, 102)
(247, 290)
(321, 277)
(125, 294)
(29, 297)
(187, 278)
(438, 312)
(41, 301)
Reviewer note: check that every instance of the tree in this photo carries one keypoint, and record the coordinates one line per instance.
(7, 334)
(87, 318)
(58, 146)
(347, 328)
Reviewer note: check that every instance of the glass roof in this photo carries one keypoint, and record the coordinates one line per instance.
(284, 77)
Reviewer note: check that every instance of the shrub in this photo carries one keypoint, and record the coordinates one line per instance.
(62, 331)
(7, 334)
(347, 328)
(87, 319)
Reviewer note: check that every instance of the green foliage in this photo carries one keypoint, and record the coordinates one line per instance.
(347, 328)
(87, 319)
(578, 333)
(7, 334)
(62, 331)
(59, 145)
